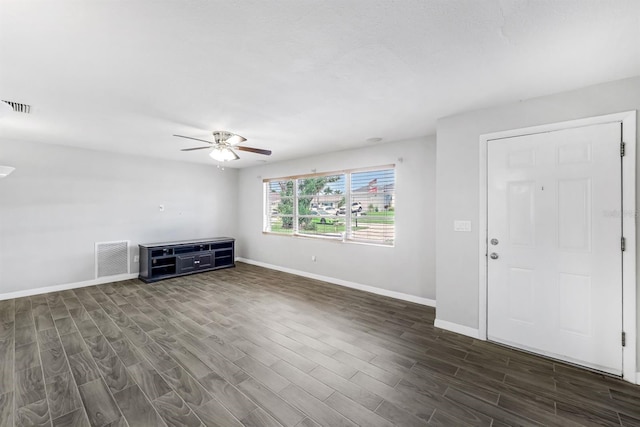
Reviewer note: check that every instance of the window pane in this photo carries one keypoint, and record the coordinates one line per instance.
(318, 201)
(280, 205)
(320, 193)
(373, 206)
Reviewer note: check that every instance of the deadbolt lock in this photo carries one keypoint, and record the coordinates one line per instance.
(494, 242)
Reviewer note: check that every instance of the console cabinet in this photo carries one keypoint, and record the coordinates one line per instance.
(170, 259)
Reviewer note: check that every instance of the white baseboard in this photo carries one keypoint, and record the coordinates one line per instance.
(345, 283)
(638, 378)
(67, 286)
(459, 329)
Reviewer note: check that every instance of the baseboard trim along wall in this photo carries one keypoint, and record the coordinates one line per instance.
(459, 329)
(378, 291)
(67, 286)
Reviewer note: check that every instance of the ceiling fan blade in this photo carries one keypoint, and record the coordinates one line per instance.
(254, 150)
(195, 139)
(235, 139)
(195, 148)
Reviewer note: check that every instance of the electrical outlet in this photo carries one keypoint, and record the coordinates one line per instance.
(161, 208)
(136, 258)
(313, 258)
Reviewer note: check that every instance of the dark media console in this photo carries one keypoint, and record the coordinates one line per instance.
(170, 259)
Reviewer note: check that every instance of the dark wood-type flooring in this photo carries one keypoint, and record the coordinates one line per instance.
(254, 347)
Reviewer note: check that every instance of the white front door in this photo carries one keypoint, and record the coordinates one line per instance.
(554, 230)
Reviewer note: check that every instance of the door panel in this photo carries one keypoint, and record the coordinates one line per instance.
(575, 303)
(521, 199)
(521, 294)
(555, 287)
(574, 214)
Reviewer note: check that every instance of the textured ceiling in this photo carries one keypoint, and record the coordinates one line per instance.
(298, 77)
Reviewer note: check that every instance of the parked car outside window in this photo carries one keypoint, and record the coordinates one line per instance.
(322, 217)
(330, 210)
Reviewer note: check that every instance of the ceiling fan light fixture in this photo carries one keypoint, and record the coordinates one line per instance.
(223, 154)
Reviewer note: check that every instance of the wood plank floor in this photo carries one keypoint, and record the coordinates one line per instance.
(254, 347)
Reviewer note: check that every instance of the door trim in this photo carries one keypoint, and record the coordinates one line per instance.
(628, 120)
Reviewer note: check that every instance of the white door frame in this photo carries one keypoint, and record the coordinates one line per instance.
(628, 120)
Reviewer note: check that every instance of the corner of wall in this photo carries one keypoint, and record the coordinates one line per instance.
(458, 329)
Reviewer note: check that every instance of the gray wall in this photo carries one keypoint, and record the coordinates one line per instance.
(61, 200)
(457, 256)
(407, 268)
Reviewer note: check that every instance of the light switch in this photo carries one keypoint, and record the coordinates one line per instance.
(464, 226)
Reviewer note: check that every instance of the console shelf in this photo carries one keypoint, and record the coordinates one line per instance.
(171, 259)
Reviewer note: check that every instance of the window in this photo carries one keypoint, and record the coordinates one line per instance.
(280, 197)
(356, 205)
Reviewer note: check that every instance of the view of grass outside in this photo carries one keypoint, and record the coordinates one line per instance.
(387, 217)
(324, 204)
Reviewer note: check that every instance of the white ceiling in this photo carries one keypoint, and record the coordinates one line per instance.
(298, 77)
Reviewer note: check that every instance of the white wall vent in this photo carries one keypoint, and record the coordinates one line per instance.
(112, 258)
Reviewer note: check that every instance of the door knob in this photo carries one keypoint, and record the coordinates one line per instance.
(494, 255)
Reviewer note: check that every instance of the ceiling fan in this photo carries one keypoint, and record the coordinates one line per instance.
(222, 146)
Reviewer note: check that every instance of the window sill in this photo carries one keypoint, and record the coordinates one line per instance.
(330, 239)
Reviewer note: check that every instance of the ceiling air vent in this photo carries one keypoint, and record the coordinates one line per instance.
(18, 107)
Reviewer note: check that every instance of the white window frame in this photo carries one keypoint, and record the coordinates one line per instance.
(347, 235)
